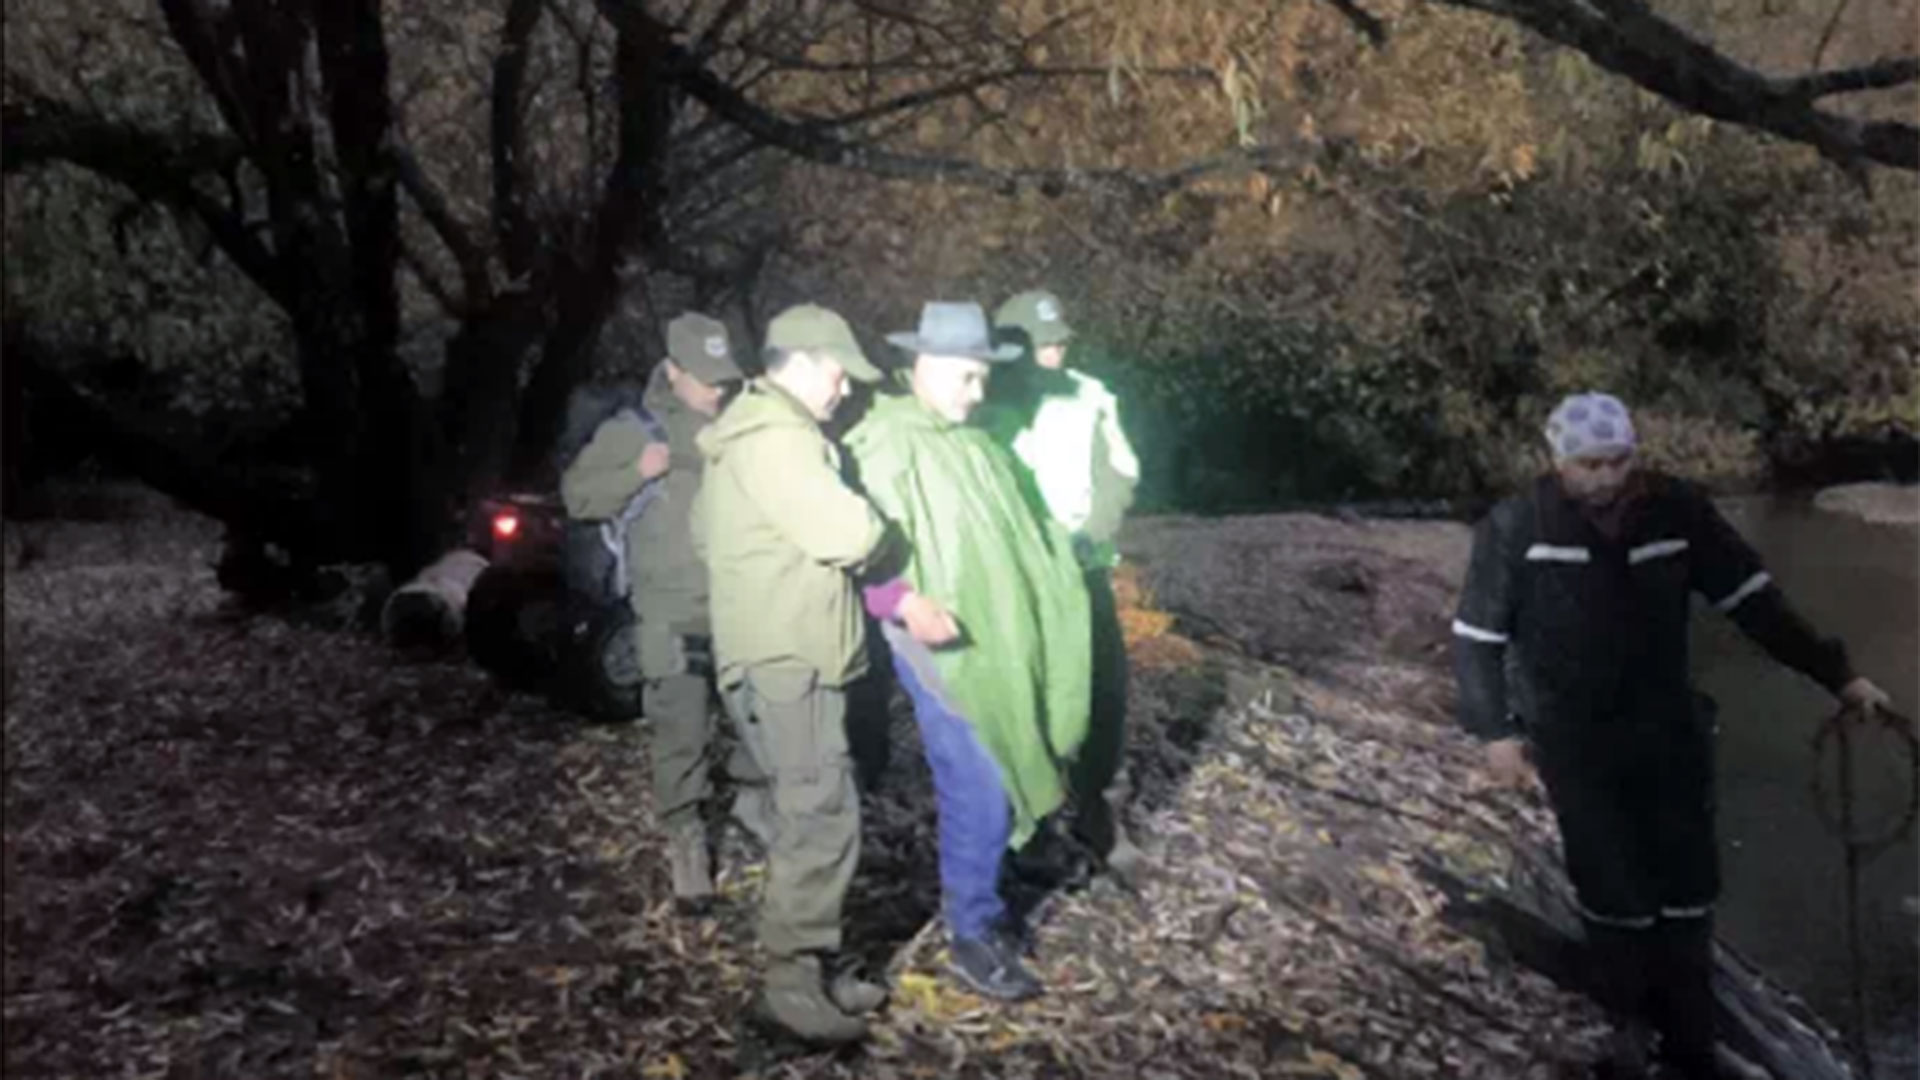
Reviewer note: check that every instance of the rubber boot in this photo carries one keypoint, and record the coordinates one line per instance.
(1682, 993)
(1621, 960)
(794, 999)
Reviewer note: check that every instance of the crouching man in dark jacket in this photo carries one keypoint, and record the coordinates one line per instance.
(1585, 578)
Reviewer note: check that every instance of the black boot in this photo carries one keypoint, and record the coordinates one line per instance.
(1682, 1005)
(1620, 957)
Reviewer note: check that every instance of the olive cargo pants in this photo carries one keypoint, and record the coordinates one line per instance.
(794, 728)
(677, 699)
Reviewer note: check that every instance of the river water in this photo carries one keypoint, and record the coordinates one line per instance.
(1783, 905)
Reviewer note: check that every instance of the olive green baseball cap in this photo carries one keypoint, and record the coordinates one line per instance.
(812, 328)
(700, 345)
(1037, 312)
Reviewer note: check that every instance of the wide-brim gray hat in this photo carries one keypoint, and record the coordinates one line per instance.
(950, 328)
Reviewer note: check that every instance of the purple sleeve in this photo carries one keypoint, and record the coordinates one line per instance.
(884, 599)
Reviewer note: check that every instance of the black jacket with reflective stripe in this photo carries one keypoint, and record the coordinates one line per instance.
(1597, 626)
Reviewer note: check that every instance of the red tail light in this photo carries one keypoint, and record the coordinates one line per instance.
(506, 526)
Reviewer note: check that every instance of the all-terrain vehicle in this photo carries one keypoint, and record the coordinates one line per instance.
(544, 615)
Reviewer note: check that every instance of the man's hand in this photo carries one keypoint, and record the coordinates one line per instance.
(1865, 698)
(930, 624)
(1507, 761)
(655, 460)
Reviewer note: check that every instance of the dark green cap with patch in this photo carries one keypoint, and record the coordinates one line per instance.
(699, 345)
(812, 328)
(1037, 312)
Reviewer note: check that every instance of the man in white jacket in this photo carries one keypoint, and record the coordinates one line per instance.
(1064, 425)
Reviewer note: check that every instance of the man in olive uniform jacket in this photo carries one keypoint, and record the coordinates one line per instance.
(784, 538)
(648, 466)
(1586, 578)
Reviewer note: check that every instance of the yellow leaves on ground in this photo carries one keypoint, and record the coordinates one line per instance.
(932, 997)
(1220, 1023)
(669, 1067)
(1149, 635)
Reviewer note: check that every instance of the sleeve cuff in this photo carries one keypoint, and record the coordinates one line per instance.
(883, 600)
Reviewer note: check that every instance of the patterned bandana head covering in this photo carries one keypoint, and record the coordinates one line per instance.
(1589, 424)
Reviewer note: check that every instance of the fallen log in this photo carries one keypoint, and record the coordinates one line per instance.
(429, 612)
(1756, 1018)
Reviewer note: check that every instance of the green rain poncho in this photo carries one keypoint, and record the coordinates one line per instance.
(981, 546)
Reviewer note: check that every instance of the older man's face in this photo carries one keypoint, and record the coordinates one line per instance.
(950, 385)
(1596, 479)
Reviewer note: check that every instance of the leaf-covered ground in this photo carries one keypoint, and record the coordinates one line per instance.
(240, 846)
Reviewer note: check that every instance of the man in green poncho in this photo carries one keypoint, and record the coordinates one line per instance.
(1003, 710)
(1064, 426)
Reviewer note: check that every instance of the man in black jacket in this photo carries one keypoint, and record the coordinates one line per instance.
(1585, 578)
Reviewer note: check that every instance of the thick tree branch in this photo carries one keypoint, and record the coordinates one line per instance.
(813, 142)
(629, 217)
(710, 37)
(519, 240)
(192, 29)
(38, 130)
(1630, 39)
(152, 166)
(1881, 75)
(423, 273)
(467, 255)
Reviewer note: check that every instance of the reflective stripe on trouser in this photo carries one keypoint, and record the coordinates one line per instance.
(976, 819)
(795, 729)
(1105, 748)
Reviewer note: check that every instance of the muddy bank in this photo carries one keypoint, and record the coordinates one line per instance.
(1878, 503)
(1363, 604)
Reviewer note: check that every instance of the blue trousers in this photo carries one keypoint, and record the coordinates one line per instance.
(976, 818)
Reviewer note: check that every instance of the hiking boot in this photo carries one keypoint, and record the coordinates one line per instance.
(991, 967)
(855, 996)
(691, 864)
(794, 999)
(1048, 861)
